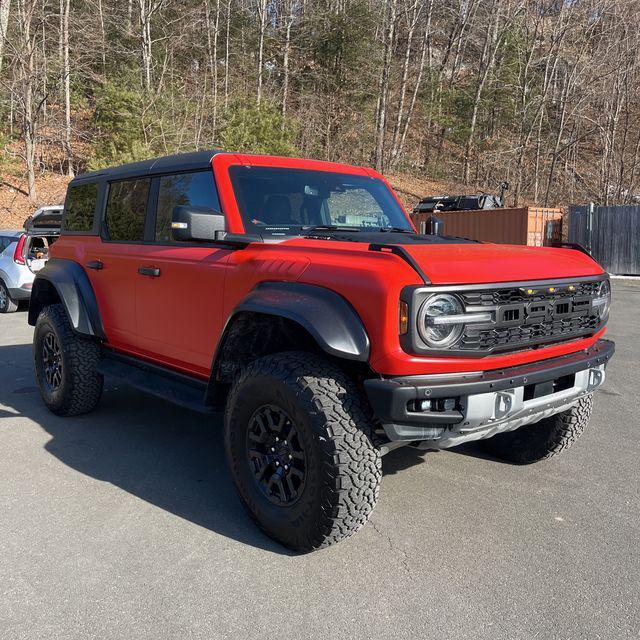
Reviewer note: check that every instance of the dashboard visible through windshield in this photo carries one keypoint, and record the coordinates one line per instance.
(276, 201)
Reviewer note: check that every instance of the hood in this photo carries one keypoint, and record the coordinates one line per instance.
(480, 263)
(449, 260)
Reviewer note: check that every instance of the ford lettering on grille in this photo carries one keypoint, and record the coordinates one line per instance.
(524, 319)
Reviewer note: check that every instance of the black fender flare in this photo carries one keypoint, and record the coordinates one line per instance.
(75, 292)
(326, 315)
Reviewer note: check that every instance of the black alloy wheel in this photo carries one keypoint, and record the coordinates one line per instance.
(276, 456)
(52, 361)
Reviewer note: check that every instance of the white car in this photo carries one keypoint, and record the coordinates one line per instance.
(24, 253)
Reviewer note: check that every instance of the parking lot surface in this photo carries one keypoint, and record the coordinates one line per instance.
(124, 524)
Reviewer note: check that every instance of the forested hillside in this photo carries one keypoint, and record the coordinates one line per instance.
(544, 94)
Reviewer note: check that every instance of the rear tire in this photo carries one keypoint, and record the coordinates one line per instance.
(300, 410)
(543, 439)
(7, 304)
(65, 364)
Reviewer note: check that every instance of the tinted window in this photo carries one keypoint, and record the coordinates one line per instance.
(280, 201)
(196, 189)
(80, 206)
(126, 210)
(4, 243)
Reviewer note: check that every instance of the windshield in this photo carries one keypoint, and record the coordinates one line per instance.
(277, 201)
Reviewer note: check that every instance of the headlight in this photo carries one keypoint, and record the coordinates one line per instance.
(439, 321)
(602, 301)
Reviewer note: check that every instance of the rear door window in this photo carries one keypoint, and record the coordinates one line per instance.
(197, 189)
(127, 209)
(80, 206)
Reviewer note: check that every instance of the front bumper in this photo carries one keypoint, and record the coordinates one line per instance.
(456, 408)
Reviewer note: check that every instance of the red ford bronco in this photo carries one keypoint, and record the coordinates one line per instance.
(296, 296)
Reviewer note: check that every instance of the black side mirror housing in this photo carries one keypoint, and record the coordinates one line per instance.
(189, 222)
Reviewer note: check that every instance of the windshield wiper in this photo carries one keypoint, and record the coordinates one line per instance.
(397, 229)
(329, 227)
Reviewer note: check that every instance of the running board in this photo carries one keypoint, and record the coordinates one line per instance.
(166, 384)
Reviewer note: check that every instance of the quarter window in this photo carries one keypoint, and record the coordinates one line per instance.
(197, 189)
(80, 206)
(126, 210)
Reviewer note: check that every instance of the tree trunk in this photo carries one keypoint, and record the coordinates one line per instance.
(403, 82)
(5, 6)
(416, 88)
(226, 55)
(383, 88)
(145, 42)
(285, 62)
(491, 44)
(212, 46)
(262, 14)
(66, 73)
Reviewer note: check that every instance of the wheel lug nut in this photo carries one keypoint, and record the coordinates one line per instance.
(277, 464)
(290, 457)
(286, 468)
(277, 439)
(285, 442)
(273, 449)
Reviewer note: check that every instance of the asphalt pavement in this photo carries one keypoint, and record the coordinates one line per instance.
(124, 524)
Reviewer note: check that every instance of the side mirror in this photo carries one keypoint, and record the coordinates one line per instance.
(189, 222)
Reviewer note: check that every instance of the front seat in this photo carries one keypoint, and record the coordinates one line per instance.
(277, 210)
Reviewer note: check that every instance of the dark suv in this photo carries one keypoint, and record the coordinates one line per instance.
(297, 297)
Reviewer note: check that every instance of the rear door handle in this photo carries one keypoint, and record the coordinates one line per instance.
(154, 272)
(95, 264)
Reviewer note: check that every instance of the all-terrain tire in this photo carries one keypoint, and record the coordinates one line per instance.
(544, 439)
(343, 468)
(80, 384)
(7, 304)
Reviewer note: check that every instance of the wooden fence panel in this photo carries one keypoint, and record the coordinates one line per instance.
(612, 235)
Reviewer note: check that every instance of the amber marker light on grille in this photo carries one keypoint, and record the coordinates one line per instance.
(404, 317)
(572, 287)
(552, 289)
(530, 291)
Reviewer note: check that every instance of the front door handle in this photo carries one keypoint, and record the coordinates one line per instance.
(154, 272)
(95, 264)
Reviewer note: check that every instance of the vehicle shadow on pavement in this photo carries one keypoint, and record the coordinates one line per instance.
(165, 455)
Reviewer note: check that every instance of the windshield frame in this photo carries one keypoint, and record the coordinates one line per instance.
(223, 162)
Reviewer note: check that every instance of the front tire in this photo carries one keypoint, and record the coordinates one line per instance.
(299, 411)
(7, 304)
(65, 364)
(543, 439)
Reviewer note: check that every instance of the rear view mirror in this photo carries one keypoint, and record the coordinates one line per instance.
(189, 222)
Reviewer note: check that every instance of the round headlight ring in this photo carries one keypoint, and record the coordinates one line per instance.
(604, 295)
(440, 336)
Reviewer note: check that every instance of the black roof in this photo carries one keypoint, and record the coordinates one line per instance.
(178, 162)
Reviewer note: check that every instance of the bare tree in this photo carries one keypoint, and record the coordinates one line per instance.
(5, 6)
(262, 17)
(66, 77)
(383, 88)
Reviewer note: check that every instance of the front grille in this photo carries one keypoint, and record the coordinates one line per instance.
(522, 320)
(476, 338)
(516, 295)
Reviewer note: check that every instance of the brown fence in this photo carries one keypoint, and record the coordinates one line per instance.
(534, 226)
